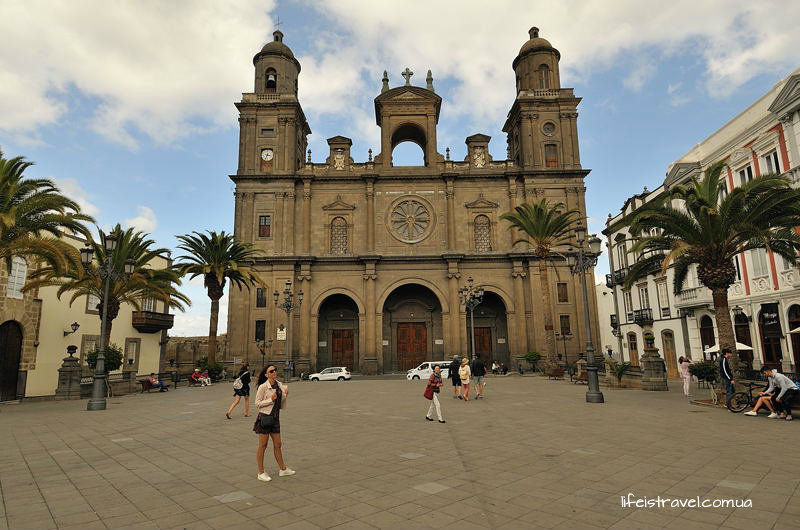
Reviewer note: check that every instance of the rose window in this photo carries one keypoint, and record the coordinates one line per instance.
(410, 220)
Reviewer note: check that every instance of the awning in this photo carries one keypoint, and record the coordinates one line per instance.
(739, 347)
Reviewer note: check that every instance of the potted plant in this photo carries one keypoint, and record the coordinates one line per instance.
(619, 370)
(533, 357)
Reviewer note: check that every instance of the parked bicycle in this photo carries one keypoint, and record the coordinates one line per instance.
(742, 400)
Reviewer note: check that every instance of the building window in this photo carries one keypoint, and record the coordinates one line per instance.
(563, 296)
(628, 300)
(264, 226)
(644, 298)
(663, 299)
(483, 234)
(261, 297)
(565, 327)
(550, 155)
(131, 352)
(271, 80)
(339, 236)
(92, 302)
(738, 267)
(16, 279)
(771, 162)
(622, 255)
(544, 76)
(759, 258)
(88, 344)
(745, 175)
(261, 329)
(267, 132)
(148, 304)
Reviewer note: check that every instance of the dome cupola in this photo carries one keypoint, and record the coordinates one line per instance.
(536, 65)
(276, 68)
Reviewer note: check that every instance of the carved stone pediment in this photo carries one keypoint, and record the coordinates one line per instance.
(679, 172)
(406, 96)
(339, 205)
(481, 202)
(788, 99)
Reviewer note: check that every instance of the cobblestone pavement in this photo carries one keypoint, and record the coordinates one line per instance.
(533, 454)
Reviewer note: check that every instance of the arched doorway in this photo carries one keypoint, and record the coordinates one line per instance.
(337, 333)
(10, 353)
(668, 343)
(794, 325)
(412, 324)
(491, 330)
(741, 328)
(770, 329)
(707, 338)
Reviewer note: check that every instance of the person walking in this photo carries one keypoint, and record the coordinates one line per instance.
(726, 373)
(243, 391)
(432, 390)
(683, 365)
(464, 374)
(478, 372)
(452, 373)
(270, 399)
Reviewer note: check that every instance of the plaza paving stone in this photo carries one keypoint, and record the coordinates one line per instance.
(533, 454)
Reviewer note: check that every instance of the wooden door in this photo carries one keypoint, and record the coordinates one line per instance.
(412, 344)
(342, 347)
(10, 351)
(483, 345)
(668, 341)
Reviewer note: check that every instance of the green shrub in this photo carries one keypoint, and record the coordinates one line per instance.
(619, 370)
(112, 354)
(705, 370)
(533, 357)
(214, 370)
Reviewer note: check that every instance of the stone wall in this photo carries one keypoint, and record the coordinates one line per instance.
(184, 352)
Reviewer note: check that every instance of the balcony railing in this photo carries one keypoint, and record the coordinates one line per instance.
(619, 275)
(694, 297)
(152, 322)
(643, 317)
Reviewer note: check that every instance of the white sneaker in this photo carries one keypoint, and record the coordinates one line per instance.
(773, 415)
(263, 477)
(286, 472)
(751, 413)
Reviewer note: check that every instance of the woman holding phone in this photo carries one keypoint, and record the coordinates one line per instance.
(270, 399)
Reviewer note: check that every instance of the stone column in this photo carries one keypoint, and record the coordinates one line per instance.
(69, 376)
(654, 374)
(519, 311)
(512, 203)
(370, 195)
(369, 364)
(288, 228)
(453, 275)
(451, 214)
(307, 217)
(280, 199)
(304, 350)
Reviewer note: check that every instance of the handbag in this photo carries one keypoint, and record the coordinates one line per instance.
(267, 420)
(428, 392)
(237, 385)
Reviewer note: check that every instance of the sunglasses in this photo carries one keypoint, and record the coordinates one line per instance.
(271, 371)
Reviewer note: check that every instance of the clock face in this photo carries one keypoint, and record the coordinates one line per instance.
(266, 155)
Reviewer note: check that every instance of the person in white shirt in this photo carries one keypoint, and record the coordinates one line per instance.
(778, 397)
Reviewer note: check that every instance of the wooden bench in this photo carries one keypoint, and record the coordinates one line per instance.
(555, 373)
(582, 378)
(147, 386)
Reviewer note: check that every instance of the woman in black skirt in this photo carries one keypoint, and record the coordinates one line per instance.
(244, 392)
(270, 399)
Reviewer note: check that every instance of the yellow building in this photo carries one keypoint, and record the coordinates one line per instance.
(36, 328)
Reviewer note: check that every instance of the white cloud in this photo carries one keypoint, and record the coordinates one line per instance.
(671, 88)
(639, 76)
(194, 322)
(70, 187)
(146, 221)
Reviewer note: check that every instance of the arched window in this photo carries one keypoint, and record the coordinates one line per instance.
(483, 234)
(550, 155)
(16, 278)
(544, 76)
(741, 328)
(707, 338)
(271, 80)
(339, 236)
(794, 333)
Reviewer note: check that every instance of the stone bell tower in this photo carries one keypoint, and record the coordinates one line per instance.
(542, 124)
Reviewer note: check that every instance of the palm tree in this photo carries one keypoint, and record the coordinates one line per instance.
(709, 229)
(33, 216)
(144, 283)
(218, 257)
(544, 225)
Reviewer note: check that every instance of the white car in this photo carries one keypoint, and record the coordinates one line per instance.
(335, 373)
(424, 370)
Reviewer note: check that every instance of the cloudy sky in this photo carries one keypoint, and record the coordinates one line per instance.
(129, 105)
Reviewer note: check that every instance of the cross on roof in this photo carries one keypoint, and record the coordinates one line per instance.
(277, 22)
(407, 74)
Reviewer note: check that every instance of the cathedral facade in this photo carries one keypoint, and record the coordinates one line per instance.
(380, 251)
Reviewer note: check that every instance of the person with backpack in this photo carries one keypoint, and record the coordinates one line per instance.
(478, 372)
(241, 389)
(452, 373)
(432, 391)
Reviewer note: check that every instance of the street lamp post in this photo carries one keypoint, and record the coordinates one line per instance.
(564, 337)
(471, 297)
(288, 305)
(263, 346)
(581, 260)
(107, 273)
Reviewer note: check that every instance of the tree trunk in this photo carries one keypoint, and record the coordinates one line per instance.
(727, 338)
(212, 331)
(549, 341)
(113, 312)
